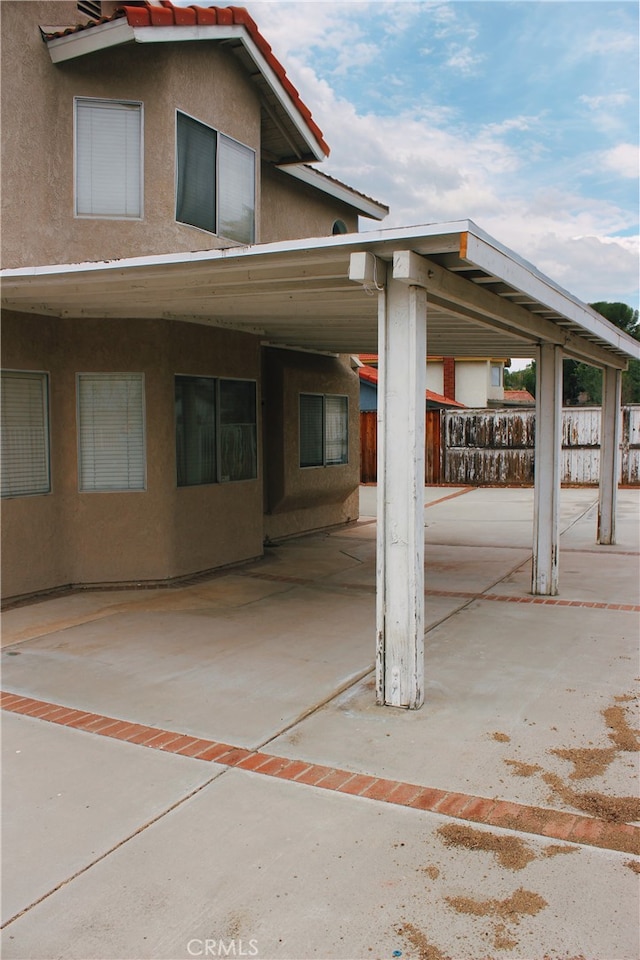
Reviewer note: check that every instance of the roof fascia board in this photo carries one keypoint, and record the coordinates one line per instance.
(90, 41)
(486, 254)
(119, 32)
(368, 208)
(484, 307)
(357, 241)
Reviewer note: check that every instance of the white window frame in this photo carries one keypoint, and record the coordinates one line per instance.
(89, 462)
(220, 139)
(498, 368)
(326, 461)
(123, 215)
(35, 436)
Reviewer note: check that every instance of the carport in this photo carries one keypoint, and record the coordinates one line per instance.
(389, 292)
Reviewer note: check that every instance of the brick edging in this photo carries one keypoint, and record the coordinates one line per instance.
(493, 812)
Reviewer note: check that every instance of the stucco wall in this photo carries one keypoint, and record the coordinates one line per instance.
(72, 537)
(292, 209)
(298, 499)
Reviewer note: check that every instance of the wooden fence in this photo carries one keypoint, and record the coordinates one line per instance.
(483, 447)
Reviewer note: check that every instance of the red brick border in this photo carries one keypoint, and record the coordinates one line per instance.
(555, 824)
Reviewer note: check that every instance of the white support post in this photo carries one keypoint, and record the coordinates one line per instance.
(609, 454)
(548, 447)
(402, 352)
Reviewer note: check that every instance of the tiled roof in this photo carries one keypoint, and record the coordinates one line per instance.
(519, 396)
(370, 375)
(165, 14)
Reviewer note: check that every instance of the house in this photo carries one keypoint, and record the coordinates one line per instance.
(434, 403)
(181, 293)
(138, 449)
(471, 381)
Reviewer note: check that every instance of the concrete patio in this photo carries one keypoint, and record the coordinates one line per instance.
(253, 800)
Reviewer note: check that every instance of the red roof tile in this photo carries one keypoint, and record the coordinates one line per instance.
(165, 14)
(519, 396)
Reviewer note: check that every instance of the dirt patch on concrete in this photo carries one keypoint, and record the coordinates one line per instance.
(523, 769)
(506, 913)
(587, 762)
(557, 848)
(511, 852)
(501, 737)
(600, 805)
(622, 734)
(417, 939)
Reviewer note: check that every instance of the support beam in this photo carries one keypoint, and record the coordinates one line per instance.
(544, 579)
(402, 351)
(609, 454)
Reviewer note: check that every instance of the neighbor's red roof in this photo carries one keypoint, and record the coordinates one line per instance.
(520, 396)
(165, 14)
(370, 375)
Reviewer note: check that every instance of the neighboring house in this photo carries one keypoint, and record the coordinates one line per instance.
(434, 404)
(472, 381)
(142, 449)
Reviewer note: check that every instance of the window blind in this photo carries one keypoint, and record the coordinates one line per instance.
(25, 434)
(236, 179)
(336, 429)
(311, 430)
(108, 158)
(111, 431)
(196, 187)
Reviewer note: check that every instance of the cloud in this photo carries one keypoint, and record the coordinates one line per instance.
(606, 101)
(464, 59)
(623, 159)
(606, 43)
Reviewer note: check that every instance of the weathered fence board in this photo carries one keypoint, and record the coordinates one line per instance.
(497, 446)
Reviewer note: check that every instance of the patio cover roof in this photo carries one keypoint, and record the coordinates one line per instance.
(483, 300)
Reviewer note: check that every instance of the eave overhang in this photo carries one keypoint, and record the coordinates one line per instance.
(483, 300)
(365, 206)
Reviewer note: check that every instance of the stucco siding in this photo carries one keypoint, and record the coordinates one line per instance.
(298, 499)
(291, 209)
(73, 537)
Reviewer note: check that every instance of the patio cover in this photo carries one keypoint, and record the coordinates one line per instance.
(380, 292)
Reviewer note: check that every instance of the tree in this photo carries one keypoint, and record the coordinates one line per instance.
(627, 319)
(582, 383)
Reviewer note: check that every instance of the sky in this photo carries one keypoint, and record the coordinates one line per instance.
(521, 115)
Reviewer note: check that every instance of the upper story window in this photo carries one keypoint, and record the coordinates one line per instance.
(496, 374)
(215, 181)
(108, 158)
(90, 8)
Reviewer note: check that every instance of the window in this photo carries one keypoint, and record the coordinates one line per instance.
(111, 441)
(25, 434)
(90, 8)
(215, 181)
(216, 435)
(324, 430)
(496, 374)
(108, 158)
